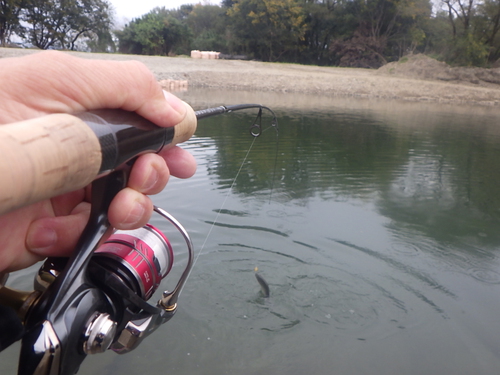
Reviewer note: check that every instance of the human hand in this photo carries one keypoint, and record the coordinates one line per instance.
(54, 82)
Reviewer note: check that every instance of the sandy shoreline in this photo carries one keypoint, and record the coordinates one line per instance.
(291, 78)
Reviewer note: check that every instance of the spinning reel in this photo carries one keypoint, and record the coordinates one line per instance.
(97, 300)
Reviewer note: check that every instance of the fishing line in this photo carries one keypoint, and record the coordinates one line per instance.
(255, 131)
(223, 203)
(275, 127)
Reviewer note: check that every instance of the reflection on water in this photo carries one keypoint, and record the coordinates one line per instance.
(377, 231)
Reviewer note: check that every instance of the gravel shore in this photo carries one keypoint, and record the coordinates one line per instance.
(328, 82)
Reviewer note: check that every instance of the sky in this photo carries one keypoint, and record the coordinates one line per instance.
(130, 9)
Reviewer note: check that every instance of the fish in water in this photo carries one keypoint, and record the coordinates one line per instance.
(264, 286)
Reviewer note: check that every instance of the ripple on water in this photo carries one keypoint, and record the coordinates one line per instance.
(297, 218)
(405, 248)
(350, 305)
(338, 299)
(484, 275)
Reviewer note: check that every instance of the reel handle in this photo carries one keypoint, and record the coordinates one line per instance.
(59, 153)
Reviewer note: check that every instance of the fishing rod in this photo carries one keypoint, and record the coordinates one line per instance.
(97, 299)
(255, 129)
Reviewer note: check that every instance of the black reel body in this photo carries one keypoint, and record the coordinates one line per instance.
(97, 300)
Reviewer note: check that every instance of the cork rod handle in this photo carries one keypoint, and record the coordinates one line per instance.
(45, 157)
(55, 154)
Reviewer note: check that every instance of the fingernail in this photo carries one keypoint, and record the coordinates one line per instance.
(135, 214)
(174, 102)
(41, 239)
(151, 180)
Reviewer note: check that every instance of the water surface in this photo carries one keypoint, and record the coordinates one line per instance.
(376, 229)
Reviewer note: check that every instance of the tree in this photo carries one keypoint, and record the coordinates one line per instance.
(473, 33)
(43, 18)
(60, 23)
(325, 20)
(208, 25)
(268, 29)
(460, 10)
(487, 22)
(155, 33)
(385, 30)
(9, 20)
(101, 42)
(91, 19)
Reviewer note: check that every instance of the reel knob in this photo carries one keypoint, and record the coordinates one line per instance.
(99, 334)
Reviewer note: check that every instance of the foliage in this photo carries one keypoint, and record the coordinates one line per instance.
(208, 25)
(60, 23)
(9, 20)
(359, 51)
(358, 33)
(326, 21)
(487, 26)
(473, 37)
(383, 30)
(156, 33)
(468, 51)
(101, 42)
(268, 29)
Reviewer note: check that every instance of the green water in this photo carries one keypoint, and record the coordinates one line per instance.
(376, 229)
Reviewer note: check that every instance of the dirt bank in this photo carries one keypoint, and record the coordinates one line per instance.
(414, 79)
